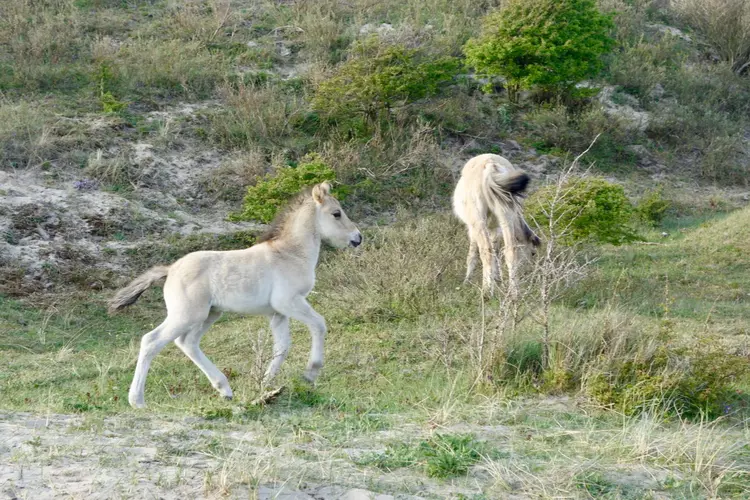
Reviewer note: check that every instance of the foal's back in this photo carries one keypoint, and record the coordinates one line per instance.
(234, 280)
(467, 197)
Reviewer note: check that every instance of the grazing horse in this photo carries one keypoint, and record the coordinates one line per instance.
(487, 200)
(271, 278)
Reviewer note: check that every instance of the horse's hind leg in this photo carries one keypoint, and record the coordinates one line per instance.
(471, 258)
(282, 340)
(480, 234)
(189, 343)
(151, 344)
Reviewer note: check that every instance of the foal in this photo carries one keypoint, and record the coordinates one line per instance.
(271, 278)
(487, 200)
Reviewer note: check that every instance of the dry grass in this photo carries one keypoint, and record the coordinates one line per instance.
(726, 25)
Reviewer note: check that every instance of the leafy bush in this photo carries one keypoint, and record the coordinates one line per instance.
(377, 77)
(592, 209)
(552, 44)
(652, 206)
(263, 200)
(690, 381)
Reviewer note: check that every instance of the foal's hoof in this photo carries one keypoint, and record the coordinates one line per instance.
(228, 398)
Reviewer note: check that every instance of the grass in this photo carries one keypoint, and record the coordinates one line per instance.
(400, 353)
(441, 456)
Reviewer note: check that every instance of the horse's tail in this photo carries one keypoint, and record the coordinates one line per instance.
(128, 295)
(501, 190)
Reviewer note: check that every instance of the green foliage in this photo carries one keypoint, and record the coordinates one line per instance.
(442, 455)
(653, 206)
(552, 44)
(691, 381)
(378, 77)
(109, 102)
(590, 209)
(265, 198)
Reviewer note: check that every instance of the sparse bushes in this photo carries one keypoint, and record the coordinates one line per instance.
(171, 67)
(591, 210)
(691, 381)
(263, 200)
(546, 43)
(724, 160)
(262, 114)
(640, 67)
(379, 77)
(556, 129)
(726, 25)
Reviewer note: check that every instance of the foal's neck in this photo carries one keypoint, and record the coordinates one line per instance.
(301, 237)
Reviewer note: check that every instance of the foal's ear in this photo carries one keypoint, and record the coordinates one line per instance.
(320, 191)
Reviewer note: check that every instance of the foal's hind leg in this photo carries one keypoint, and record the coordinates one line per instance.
(471, 258)
(480, 233)
(151, 344)
(189, 343)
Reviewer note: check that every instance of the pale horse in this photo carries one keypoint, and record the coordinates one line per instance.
(487, 200)
(271, 278)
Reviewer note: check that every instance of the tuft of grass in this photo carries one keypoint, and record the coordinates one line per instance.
(441, 456)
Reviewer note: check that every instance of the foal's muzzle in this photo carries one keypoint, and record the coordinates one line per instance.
(356, 240)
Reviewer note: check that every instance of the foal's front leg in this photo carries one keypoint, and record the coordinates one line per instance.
(281, 342)
(299, 309)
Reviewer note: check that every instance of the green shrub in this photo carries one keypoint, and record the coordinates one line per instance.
(377, 77)
(590, 209)
(652, 206)
(553, 44)
(691, 381)
(263, 200)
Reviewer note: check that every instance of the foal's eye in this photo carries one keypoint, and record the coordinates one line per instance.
(337, 214)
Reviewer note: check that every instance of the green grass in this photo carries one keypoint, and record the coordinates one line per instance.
(441, 456)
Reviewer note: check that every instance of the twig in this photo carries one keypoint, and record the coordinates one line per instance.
(268, 397)
(587, 149)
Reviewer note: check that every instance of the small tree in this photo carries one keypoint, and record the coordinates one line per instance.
(553, 44)
(378, 76)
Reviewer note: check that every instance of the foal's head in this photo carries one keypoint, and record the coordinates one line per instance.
(335, 227)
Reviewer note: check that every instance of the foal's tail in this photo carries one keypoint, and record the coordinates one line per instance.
(502, 189)
(128, 295)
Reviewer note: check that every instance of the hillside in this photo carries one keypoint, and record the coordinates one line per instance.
(129, 133)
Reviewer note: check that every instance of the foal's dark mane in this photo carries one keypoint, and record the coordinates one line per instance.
(284, 215)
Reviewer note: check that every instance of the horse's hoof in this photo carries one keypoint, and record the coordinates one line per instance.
(228, 398)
